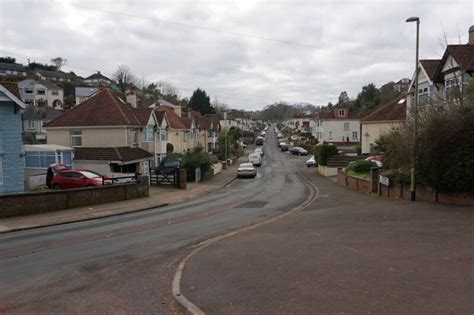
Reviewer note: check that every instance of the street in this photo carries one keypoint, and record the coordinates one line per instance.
(125, 264)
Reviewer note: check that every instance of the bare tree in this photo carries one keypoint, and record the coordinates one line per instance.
(124, 78)
(59, 62)
(168, 89)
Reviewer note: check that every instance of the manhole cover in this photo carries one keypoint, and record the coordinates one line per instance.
(252, 204)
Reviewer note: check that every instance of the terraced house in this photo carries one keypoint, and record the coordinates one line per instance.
(111, 136)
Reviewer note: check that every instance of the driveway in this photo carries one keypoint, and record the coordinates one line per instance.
(347, 253)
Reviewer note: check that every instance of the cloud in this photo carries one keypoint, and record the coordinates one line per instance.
(244, 53)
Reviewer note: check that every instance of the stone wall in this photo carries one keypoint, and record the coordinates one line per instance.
(33, 203)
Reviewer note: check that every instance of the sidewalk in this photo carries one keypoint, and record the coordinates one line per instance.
(159, 196)
(346, 253)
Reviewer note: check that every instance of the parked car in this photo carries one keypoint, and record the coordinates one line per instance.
(246, 170)
(349, 151)
(311, 162)
(170, 166)
(259, 141)
(255, 158)
(298, 151)
(378, 159)
(68, 179)
(259, 151)
(294, 138)
(283, 147)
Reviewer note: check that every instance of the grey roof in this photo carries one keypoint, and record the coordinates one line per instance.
(12, 67)
(53, 74)
(96, 76)
(40, 113)
(165, 103)
(85, 91)
(147, 102)
(49, 85)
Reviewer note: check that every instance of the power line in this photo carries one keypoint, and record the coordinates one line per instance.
(208, 29)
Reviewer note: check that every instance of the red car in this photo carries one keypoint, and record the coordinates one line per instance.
(67, 179)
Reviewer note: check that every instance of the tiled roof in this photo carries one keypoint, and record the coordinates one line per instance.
(142, 114)
(430, 66)
(40, 113)
(11, 87)
(12, 67)
(160, 116)
(464, 55)
(123, 154)
(163, 102)
(332, 113)
(188, 122)
(84, 91)
(96, 76)
(147, 102)
(49, 85)
(52, 74)
(394, 110)
(173, 119)
(106, 108)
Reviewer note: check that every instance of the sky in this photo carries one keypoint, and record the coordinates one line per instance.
(246, 54)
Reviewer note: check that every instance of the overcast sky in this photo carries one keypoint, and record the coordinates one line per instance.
(245, 53)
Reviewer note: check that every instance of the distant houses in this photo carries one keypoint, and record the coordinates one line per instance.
(41, 93)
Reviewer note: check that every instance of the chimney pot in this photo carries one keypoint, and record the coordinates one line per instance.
(471, 35)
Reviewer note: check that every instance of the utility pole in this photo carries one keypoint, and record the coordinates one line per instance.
(225, 137)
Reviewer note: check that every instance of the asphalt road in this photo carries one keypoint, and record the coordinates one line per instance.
(125, 264)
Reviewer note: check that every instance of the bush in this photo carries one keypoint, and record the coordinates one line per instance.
(324, 151)
(361, 166)
(194, 159)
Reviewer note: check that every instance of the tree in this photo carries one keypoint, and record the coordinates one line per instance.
(124, 78)
(7, 59)
(59, 62)
(368, 98)
(343, 98)
(201, 102)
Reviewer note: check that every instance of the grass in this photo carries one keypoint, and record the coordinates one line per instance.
(365, 175)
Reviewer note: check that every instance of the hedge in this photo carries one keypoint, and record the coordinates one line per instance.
(324, 151)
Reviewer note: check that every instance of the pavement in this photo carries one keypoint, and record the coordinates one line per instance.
(346, 253)
(159, 196)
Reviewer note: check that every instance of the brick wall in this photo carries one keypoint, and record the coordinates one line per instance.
(354, 183)
(33, 203)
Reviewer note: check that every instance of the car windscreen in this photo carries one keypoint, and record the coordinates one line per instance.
(89, 174)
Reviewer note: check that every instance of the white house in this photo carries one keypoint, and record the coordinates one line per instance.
(339, 126)
(41, 93)
(82, 93)
(97, 79)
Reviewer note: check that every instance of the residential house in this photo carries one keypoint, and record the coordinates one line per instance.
(445, 79)
(402, 85)
(34, 118)
(339, 125)
(98, 79)
(387, 118)
(12, 69)
(53, 75)
(41, 93)
(11, 154)
(213, 131)
(82, 93)
(109, 135)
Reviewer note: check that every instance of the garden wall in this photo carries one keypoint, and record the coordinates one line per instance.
(32, 203)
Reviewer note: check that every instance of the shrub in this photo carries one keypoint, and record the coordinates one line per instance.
(194, 159)
(324, 151)
(361, 166)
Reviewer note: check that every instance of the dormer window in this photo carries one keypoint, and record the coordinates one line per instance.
(342, 113)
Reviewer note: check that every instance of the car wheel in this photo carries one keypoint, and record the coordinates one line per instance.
(56, 187)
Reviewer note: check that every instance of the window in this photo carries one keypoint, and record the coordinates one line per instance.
(148, 134)
(330, 134)
(134, 136)
(66, 158)
(31, 124)
(346, 126)
(163, 135)
(55, 92)
(452, 89)
(342, 113)
(129, 168)
(29, 91)
(40, 92)
(38, 159)
(1, 169)
(76, 138)
(354, 135)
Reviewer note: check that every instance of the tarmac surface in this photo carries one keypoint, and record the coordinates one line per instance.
(346, 253)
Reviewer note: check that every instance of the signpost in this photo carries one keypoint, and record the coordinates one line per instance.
(383, 180)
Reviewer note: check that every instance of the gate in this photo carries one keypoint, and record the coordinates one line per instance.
(165, 177)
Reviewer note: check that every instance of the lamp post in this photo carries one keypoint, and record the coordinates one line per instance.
(225, 138)
(415, 106)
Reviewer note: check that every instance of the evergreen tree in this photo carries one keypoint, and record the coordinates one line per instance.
(201, 102)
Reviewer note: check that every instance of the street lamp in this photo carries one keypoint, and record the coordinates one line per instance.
(415, 106)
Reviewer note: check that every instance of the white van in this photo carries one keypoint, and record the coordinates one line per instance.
(255, 158)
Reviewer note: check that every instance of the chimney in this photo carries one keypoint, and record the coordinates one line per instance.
(132, 97)
(471, 35)
(177, 110)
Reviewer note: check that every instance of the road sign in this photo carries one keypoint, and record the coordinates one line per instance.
(384, 180)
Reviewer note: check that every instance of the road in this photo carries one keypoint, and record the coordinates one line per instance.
(125, 264)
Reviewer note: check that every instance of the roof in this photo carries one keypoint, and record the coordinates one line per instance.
(84, 91)
(173, 119)
(106, 108)
(394, 110)
(12, 87)
(430, 66)
(52, 74)
(188, 122)
(142, 114)
(463, 54)
(96, 76)
(40, 113)
(147, 102)
(163, 102)
(12, 67)
(332, 113)
(11, 91)
(49, 85)
(118, 154)
(160, 116)
(46, 147)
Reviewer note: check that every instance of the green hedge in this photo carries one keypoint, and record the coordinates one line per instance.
(324, 151)
(362, 166)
